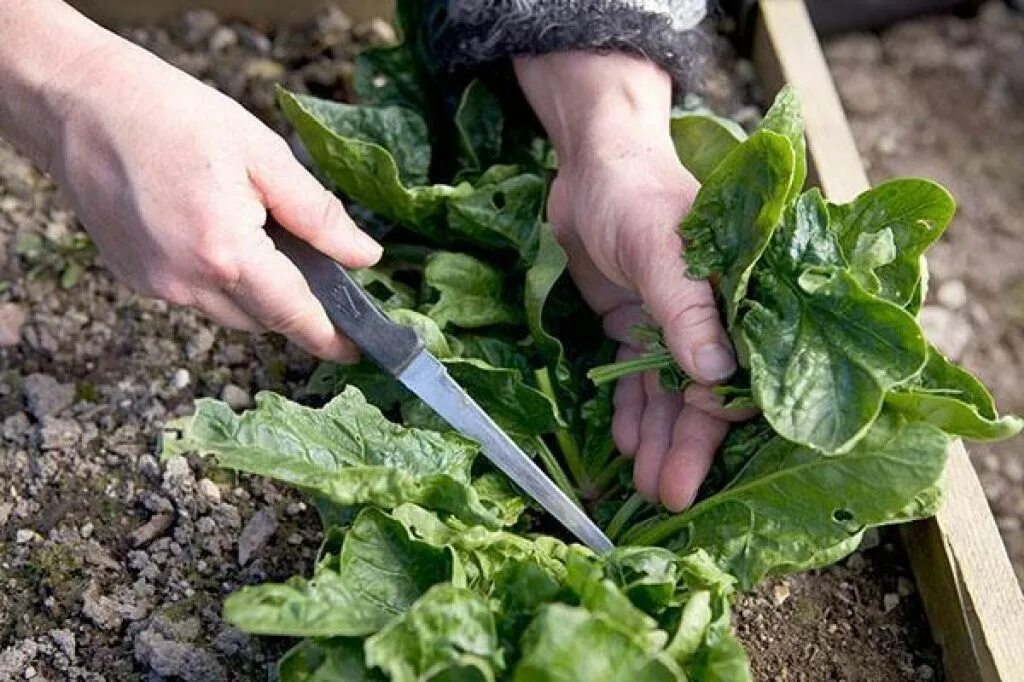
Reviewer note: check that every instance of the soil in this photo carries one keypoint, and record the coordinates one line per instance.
(942, 98)
(113, 566)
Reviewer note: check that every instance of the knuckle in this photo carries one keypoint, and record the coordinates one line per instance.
(693, 311)
(219, 266)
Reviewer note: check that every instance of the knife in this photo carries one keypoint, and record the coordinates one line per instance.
(399, 351)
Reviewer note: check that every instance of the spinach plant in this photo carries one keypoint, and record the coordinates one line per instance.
(432, 566)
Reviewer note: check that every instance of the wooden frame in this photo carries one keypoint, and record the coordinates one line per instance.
(964, 576)
(970, 593)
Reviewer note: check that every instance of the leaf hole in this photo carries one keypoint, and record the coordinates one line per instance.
(842, 516)
(498, 199)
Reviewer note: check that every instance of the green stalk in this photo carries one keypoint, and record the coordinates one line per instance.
(610, 473)
(627, 511)
(563, 435)
(554, 469)
(657, 531)
(616, 370)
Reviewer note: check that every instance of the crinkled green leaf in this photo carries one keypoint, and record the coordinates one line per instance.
(326, 660)
(385, 290)
(784, 118)
(954, 400)
(647, 575)
(569, 643)
(365, 170)
(915, 211)
(822, 351)
(703, 140)
(426, 328)
(735, 213)
(379, 574)
(792, 508)
(345, 451)
(503, 211)
(541, 278)
(479, 122)
(872, 251)
(471, 293)
(518, 408)
(449, 634)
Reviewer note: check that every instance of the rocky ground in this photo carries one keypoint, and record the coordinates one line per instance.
(113, 565)
(942, 98)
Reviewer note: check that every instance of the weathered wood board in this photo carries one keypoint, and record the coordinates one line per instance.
(964, 576)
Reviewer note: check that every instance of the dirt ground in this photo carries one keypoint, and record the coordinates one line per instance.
(943, 98)
(113, 566)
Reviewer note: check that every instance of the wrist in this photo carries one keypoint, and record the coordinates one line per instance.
(598, 107)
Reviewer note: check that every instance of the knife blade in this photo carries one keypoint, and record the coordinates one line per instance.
(398, 350)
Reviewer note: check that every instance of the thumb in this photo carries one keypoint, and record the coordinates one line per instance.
(304, 207)
(684, 308)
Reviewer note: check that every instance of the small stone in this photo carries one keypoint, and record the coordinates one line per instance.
(177, 473)
(832, 628)
(169, 658)
(264, 69)
(152, 529)
(952, 294)
(294, 539)
(30, 673)
(86, 530)
(222, 38)
(181, 379)
(12, 319)
(101, 610)
(378, 32)
(97, 555)
(905, 587)
(25, 536)
(253, 39)
(199, 24)
(58, 434)
(333, 26)
(200, 344)
(65, 641)
(780, 593)
(149, 467)
(209, 491)
(925, 672)
(45, 396)
(890, 601)
(257, 532)
(5, 512)
(949, 331)
(295, 508)
(236, 397)
(15, 427)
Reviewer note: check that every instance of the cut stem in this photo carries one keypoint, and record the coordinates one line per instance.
(616, 370)
(626, 512)
(555, 471)
(564, 437)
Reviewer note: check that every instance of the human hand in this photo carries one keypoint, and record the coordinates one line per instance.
(615, 206)
(174, 181)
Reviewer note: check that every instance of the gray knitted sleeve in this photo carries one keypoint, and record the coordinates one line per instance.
(478, 31)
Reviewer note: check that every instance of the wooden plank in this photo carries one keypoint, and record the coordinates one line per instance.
(965, 579)
(112, 12)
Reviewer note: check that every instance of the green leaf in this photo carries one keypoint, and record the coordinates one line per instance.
(872, 251)
(735, 213)
(568, 643)
(352, 157)
(326, 660)
(503, 211)
(822, 351)
(479, 122)
(703, 140)
(379, 574)
(826, 501)
(448, 634)
(426, 328)
(541, 278)
(471, 293)
(390, 76)
(784, 118)
(345, 451)
(385, 290)
(915, 211)
(518, 408)
(954, 400)
(647, 575)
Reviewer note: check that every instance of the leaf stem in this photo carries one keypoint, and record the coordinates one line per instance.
(616, 370)
(626, 512)
(563, 435)
(609, 473)
(555, 470)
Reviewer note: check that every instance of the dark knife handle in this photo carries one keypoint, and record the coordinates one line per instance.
(389, 344)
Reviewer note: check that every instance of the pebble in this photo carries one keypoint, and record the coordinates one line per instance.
(780, 593)
(65, 641)
(199, 344)
(45, 396)
(170, 658)
(86, 530)
(59, 434)
(949, 331)
(181, 379)
(236, 397)
(890, 601)
(12, 319)
(101, 610)
(209, 491)
(199, 24)
(952, 294)
(222, 38)
(295, 508)
(152, 529)
(25, 536)
(257, 532)
(149, 467)
(925, 672)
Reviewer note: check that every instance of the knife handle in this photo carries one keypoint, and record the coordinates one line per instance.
(389, 344)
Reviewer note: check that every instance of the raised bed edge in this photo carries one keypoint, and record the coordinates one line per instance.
(970, 593)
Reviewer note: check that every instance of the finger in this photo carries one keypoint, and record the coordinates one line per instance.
(704, 398)
(621, 322)
(659, 415)
(628, 404)
(222, 310)
(272, 291)
(600, 293)
(695, 440)
(309, 211)
(684, 308)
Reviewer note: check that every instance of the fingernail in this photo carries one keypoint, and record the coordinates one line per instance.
(714, 362)
(369, 245)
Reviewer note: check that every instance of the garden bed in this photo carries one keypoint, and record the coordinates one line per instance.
(112, 566)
